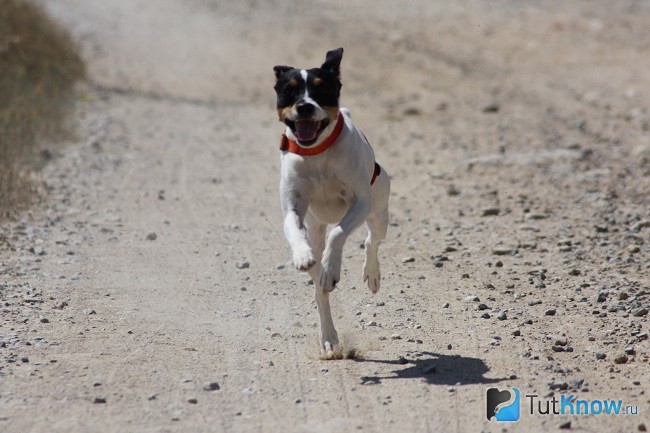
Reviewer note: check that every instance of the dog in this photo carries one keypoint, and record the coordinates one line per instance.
(328, 176)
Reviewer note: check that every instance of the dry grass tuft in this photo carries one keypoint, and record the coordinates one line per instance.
(38, 68)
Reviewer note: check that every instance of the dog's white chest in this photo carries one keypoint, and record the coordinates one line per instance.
(329, 198)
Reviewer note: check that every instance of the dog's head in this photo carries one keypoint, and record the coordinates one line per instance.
(308, 99)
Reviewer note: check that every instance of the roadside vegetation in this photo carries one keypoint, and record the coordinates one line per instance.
(39, 65)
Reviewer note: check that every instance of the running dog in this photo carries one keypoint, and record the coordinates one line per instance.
(328, 176)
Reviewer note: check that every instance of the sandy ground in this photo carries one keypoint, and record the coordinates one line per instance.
(517, 135)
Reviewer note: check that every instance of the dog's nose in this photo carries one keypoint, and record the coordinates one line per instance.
(305, 108)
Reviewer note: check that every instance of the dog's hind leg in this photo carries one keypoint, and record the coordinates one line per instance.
(316, 234)
(377, 227)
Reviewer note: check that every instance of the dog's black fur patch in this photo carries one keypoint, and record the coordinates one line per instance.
(291, 88)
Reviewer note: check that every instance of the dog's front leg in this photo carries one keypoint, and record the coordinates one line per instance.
(354, 217)
(294, 207)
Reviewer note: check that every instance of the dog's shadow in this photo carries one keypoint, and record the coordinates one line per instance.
(435, 369)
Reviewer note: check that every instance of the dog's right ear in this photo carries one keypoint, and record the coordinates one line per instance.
(279, 70)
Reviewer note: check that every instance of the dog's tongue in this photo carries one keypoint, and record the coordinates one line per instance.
(306, 130)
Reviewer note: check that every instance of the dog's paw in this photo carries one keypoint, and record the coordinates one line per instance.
(303, 259)
(330, 275)
(372, 276)
(329, 345)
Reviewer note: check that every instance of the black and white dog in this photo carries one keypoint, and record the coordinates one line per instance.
(328, 176)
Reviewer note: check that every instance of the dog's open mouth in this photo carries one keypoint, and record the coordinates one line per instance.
(307, 131)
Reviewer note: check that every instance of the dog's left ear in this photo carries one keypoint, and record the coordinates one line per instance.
(279, 70)
(333, 62)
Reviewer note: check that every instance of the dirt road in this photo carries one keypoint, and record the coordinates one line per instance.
(517, 135)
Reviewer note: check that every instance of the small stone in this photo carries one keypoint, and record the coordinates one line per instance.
(641, 427)
(490, 211)
(297, 401)
(516, 332)
(449, 346)
(633, 249)
(561, 341)
(621, 359)
(491, 108)
(472, 298)
(482, 307)
(565, 425)
(640, 225)
(152, 396)
(211, 386)
(380, 303)
(395, 337)
(152, 236)
(502, 251)
(452, 191)
(556, 348)
(445, 305)
(499, 264)
(242, 264)
(558, 384)
(99, 400)
(640, 312)
(408, 259)
(550, 312)
(24, 359)
(600, 297)
(485, 316)
(502, 316)
(600, 355)
(89, 311)
(574, 272)
(192, 401)
(43, 319)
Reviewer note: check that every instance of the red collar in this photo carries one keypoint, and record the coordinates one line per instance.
(289, 145)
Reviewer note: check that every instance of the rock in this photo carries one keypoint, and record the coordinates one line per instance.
(600, 297)
(242, 264)
(516, 332)
(640, 225)
(633, 249)
(485, 316)
(600, 355)
(211, 386)
(550, 312)
(472, 298)
(152, 396)
(561, 341)
(297, 401)
(192, 401)
(490, 211)
(99, 400)
(482, 307)
(89, 311)
(621, 359)
(452, 191)
(503, 251)
(640, 312)
(445, 305)
(44, 319)
(565, 425)
(492, 107)
(502, 316)
(152, 236)
(395, 337)
(408, 259)
(558, 384)
(574, 272)
(641, 427)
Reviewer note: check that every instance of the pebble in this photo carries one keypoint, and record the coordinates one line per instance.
(640, 312)
(192, 401)
(408, 259)
(574, 272)
(565, 425)
(99, 400)
(445, 305)
(503, 251)
(502, 316)
(452, 190)
(641, 427)
(152, 236)
(242, 264)
(485, 316)
(482, 307)
(550, 312)
(621, 359)
(472, 298)
(211, 386)
(44, 319)
(600, 297)
(558, 384)
(490, 211)
(395, 337)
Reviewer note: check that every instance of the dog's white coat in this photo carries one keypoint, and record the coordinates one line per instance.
(333, 188)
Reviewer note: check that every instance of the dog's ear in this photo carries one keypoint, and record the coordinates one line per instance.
(333, 62)
(279, 70)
